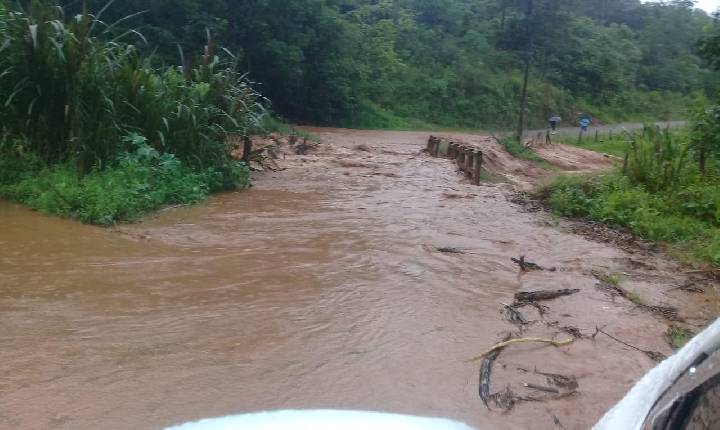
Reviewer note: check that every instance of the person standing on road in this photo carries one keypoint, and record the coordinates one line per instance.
(584, 123)
(554, 121)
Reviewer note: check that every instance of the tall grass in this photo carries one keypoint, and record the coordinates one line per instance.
(658, 194)
(90, 129)
(74, 95)
(657, 159)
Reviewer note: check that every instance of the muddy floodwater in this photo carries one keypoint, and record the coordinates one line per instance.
(321, 287)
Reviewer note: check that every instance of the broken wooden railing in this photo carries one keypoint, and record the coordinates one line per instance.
(468, 158)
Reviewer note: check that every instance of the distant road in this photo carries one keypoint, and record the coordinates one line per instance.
(606, 129)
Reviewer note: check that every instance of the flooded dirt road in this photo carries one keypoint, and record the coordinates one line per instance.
(321, 287)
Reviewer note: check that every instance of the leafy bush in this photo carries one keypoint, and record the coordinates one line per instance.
(72, 95)
(657, 160)
(91, 130)
(657, 195)
(141, 181)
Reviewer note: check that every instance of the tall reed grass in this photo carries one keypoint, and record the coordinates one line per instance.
(71, 92)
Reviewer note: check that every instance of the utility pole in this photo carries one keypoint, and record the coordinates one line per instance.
(528, 59)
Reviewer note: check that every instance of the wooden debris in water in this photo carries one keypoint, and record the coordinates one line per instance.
(653, 355)
(572, 331)
(542, 388)
(542, 295)
(449, 250)
(528, 266)
(502, 345)
(485, 373)
(515, 316)
(569, 383)
(504, 400)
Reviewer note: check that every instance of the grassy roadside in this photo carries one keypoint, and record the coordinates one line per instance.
(659, 194)
(140, 181)
(515, 148)
(618, 146)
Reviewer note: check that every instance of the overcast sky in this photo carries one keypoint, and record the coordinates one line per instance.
(709, 5)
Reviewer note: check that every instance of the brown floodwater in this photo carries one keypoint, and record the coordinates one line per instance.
(321, 287)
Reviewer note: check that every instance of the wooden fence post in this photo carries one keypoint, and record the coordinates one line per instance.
(247, 148)
(469, 161)
(434, 146)
(460, 157)
(477, 166)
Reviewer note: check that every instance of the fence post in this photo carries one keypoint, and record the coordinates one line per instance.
(477, 166)
(597, 135)
(247, 148)
(469, 161)
(433, 146)
(460, 157)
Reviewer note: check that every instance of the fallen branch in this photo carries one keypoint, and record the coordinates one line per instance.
(449, 250)
(514, 315)
(569, 383)
(536, 296)
(542, 388)
(653, 355)
(485, 372)
(505, 344)
(527, 266)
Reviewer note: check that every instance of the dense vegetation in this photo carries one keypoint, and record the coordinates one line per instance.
(91, 129)
(660, 194)
(668, 187)
(106, 116)
(456, 63)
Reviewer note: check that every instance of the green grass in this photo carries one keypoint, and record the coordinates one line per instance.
(137, 183)
(609, 278)
(678, 337)
(659, 195)
(618, 146)
(687, 218)
(518, 150)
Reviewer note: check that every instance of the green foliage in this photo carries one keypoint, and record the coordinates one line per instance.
(141, 181)
(450, 63)
(73, 95)
(618, 145)
(705, 136)
(656, 160)
(91, 130)
(518, 150)
(659, 196)
(678, 337)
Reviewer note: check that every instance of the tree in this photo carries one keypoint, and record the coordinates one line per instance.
(540, 24)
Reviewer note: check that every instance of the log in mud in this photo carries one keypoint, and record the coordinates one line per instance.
(316, 289)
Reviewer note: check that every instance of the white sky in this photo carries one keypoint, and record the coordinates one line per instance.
(709, 5)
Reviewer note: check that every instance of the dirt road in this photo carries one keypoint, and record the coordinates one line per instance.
(324, 287)
(606, 129)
